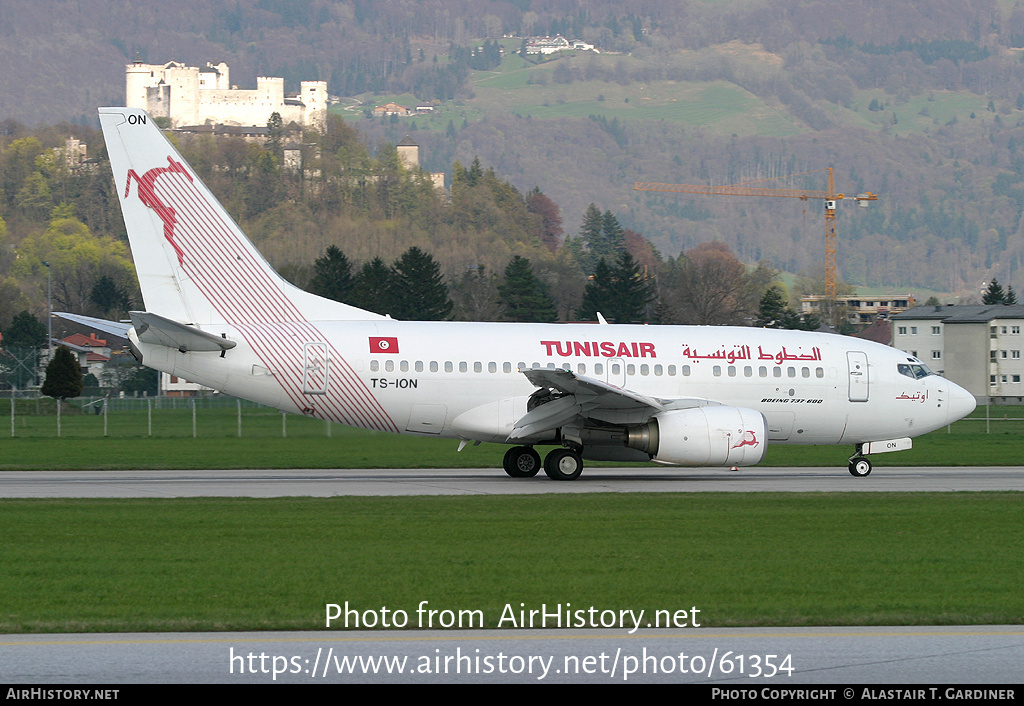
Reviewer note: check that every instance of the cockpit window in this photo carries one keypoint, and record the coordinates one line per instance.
(914, 371)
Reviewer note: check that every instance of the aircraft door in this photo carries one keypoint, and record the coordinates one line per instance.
(315, 369)
(858, 362)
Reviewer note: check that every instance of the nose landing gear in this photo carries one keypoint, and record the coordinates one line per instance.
(859, 466)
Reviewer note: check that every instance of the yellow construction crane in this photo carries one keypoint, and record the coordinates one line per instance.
(830, 197)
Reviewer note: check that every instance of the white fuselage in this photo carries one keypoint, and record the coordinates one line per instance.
(464, 380)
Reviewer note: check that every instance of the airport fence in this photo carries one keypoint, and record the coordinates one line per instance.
(32, 415)
(218, 415)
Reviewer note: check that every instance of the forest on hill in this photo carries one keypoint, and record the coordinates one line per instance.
(920, 103)
(481, 250)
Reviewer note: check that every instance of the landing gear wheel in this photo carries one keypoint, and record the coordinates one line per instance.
(860, 467)
(563, 464)
(521, 462)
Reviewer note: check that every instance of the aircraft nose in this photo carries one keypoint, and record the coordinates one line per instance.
(961, 403)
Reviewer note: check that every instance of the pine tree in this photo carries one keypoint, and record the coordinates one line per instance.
(21, 344)
(372, 287)
(332, 276)
(613, 237)
(603, 237)
(275, 131)
(774, 313)
(467, 177)
(994, 294)
(63, 376)
(590, 237)
(772, 308)
(619, 292)
(25, 331)
(523, 296)
(109, 297)
(633, 293)
(598, 295)
(418, 288)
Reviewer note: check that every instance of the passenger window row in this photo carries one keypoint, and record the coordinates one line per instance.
(645, 369)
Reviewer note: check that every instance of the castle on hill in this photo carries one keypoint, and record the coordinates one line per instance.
(189, 95)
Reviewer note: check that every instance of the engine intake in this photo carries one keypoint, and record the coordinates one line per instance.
(703, 436)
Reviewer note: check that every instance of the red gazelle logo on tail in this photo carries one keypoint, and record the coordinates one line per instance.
(147, 194)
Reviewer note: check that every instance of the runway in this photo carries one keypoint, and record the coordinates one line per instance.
(750, 658)
(492, 481)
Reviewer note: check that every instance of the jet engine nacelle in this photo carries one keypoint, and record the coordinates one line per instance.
(703, 436)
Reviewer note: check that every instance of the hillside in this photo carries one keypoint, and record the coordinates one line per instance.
(944, 163)
(920, 103)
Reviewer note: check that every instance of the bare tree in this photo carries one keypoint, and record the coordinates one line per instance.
(705, 286)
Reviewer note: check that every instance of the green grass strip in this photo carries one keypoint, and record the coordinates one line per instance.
(270, 441)
(742, 559)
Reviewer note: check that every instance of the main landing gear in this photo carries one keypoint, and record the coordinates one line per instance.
(521, 462)
(560, 464)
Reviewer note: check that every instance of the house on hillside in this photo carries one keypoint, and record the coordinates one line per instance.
(552, 45)
(547, 45)
(391, 109)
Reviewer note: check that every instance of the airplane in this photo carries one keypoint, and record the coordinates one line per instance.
(217, 314)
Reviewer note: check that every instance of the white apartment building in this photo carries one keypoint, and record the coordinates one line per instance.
(977, 346)
(860, 309)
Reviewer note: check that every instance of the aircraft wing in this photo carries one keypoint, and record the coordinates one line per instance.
(579, 398)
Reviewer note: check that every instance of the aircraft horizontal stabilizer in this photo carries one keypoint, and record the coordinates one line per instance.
(114, 328)
(155, 329)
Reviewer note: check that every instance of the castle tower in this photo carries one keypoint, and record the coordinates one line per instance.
(409, 153)
(138, 77)
(314, 96)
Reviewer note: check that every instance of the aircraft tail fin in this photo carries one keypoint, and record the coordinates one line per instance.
(195, 265)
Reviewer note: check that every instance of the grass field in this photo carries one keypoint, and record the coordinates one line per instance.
(742, 559)
(757, 559)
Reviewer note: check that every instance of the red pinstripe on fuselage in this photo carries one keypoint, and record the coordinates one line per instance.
(217, 259)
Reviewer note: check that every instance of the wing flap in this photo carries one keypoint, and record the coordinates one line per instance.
(584, 399)
(548, 416)
(600, 393)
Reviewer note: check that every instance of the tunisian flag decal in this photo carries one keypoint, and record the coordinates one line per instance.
(383, 344)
